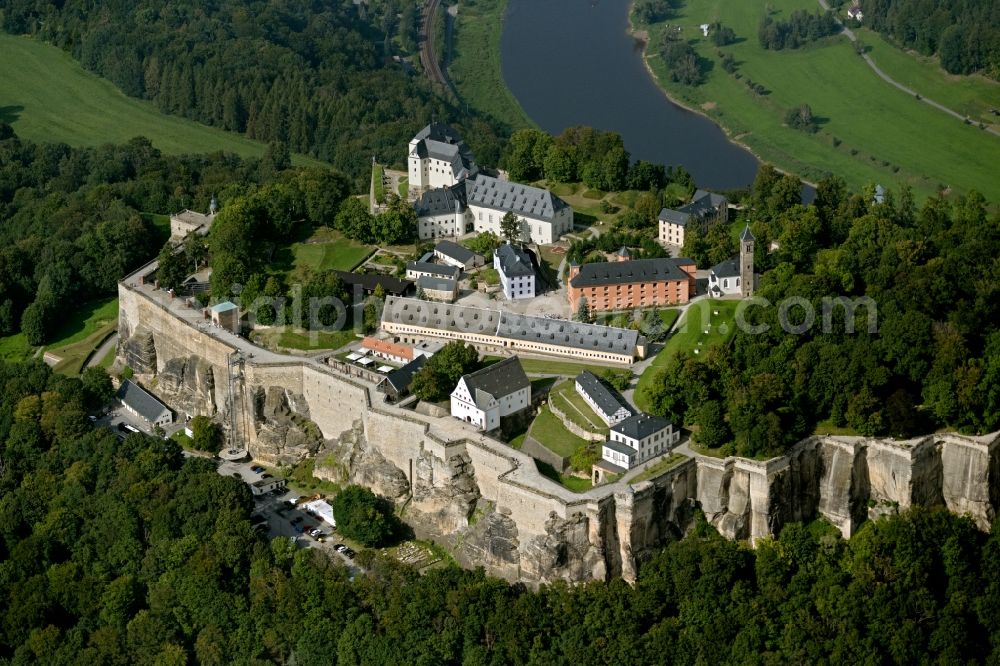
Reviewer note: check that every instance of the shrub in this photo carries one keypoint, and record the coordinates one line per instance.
(363, 516)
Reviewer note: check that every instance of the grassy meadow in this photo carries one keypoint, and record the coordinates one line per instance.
(47, 96)
(691, 336)
(868, 131)
(475, 69)
(82, 333)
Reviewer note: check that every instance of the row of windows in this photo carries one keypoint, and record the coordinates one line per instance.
(495, 342)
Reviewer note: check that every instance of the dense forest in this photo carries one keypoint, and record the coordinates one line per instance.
(965, 34)
(74, 219)
(932, 275)
(798, 29)
(127, 553)
(316, 76)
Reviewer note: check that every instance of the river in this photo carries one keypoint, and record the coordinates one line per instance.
(573, 62)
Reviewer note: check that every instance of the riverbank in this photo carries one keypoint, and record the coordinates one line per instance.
(476, 70)
(866, 129)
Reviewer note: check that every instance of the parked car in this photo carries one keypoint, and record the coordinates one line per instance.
(348, 553)
(266, 476)
(297, 519)
(256, 469)
(340, 547)
(316, 534)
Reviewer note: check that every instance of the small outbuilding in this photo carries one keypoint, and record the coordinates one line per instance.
(226, 315)
(136, 400)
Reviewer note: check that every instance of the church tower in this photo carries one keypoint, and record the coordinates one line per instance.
(746, 263)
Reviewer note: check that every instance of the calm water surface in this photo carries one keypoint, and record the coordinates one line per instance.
(572, 62)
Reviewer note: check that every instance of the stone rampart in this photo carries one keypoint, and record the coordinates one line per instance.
(490, 502)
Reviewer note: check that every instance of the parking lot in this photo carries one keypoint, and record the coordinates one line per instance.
(283, 519)
(118, 414)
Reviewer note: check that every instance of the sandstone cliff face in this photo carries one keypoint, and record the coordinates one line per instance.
(444, 493)
(563, 552)
(350, 459)
(285, 435)
(138, 352)
(492, 543)
(188, 385)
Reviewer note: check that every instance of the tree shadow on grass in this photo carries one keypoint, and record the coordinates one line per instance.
(10, 114)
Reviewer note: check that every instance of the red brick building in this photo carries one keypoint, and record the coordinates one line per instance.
(626, 284)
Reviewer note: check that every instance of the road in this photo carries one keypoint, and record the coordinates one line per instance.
(896, 84)
(102, 351)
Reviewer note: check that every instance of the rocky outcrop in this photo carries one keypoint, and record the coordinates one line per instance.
(967, 472)
(138, 352)
(563, 552)
(492, 543)
(444, 493)
(188, 385)
(351, 460)
(285, 435)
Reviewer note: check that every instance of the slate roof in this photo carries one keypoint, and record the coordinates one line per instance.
(606, 398)
(564, 333)
(514, 262)
(674, 217)
(702, 203)
(441, 200)
(726, 269)
(747, 235)
(401, 378)
(144, 403)
(497, 380)
(625, 272)
(440, 142)
(503, 195)
(621, 448)
(450, 272)
(483, 321)
(639, 426)
(436, 284)
(368, 282)
(455, 251)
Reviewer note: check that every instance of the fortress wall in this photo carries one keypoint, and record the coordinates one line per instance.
(745, 499)
(398, 438)
(334, 402)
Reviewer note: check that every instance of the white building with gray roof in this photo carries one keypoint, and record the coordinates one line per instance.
(413, 320)
(606, 402)
(441, 212)
(517, 273)
(544, 217)
(704, 207)
(453, 254)
(438, 157)
(637, 439)
(136, 400)
(483, 397)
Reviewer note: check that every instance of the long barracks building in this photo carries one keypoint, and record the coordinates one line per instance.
(412, 320)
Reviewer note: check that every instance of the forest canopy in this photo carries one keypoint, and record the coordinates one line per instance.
(316, 76)
(127, 553)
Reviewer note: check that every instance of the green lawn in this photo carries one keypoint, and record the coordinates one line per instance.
(576, 410)
(329, 249)
(556, 368)
(669, 316)
(300, 340)
(868, 130)
(690, 336)
(475, 68)
(574, 483)
(83, 331)
(48, 97)
(404, 187)
(552, 434)
(972, 96)
(378, 186)
(671, 460)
